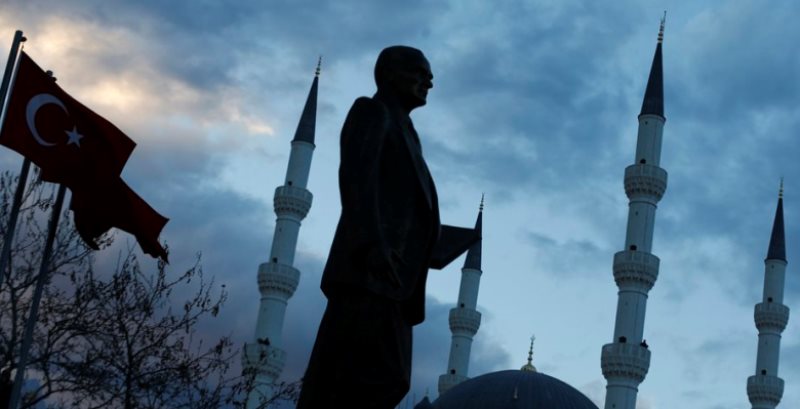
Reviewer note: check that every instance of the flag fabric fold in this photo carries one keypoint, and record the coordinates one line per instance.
(117, 205)
(78, 148)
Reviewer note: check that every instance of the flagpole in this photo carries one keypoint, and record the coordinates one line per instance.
(12, 59)
(37, 296)
(5, 256)
(26, 164)
(8, 75)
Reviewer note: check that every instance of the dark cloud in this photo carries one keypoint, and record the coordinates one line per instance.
(584, 255)
(791, 353)
(206, 44)
(742, 70)
(544, 71)
(788, 370)
(218, 224)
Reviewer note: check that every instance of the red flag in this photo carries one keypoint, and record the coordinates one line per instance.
(69, 142)
(117, 205)
(76, 147)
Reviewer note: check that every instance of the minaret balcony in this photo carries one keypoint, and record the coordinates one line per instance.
(645, 180)
(636, 270)
(766, 390)
(276, 278)
(264, 360)
(625, 361)
(448, 381)
(292, 201)
(771, 316)
(464, 321)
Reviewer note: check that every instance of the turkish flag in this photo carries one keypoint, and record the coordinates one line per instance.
(76, 147)
(69, 142)
(118, 206)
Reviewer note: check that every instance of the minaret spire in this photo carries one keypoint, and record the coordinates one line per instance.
(473, 259)
(653, 103)
(308, 119)
(777, 240)
(765, 388)
(277, 278)
(626, 360)
(464, 318)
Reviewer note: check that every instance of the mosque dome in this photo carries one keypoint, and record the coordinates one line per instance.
(513, 389)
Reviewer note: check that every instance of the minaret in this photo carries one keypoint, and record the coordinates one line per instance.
(626, 360)
(464, 318)
(277, 278)
(764, 388)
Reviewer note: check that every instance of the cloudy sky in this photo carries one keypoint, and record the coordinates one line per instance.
(534, 104)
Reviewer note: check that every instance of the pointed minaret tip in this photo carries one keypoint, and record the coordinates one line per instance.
(480, 208)
(653, 103)
(308, 119)
(777, 240)
(473, 259)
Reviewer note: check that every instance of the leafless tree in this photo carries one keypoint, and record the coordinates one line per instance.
(124, 338)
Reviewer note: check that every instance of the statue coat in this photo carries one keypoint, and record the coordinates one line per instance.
(389, 207)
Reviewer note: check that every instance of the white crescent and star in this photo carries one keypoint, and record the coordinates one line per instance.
(38, 101)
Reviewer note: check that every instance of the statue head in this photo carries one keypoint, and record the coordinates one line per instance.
(405, 73)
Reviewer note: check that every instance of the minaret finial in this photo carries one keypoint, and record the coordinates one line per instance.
(530, 351)
(481, 206)
(319, 66)
(661, 28)
(780, 191)
(529, 366)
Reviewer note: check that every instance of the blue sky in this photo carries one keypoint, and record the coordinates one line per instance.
(534, 103)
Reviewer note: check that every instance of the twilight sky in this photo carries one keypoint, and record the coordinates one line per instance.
(534, 103)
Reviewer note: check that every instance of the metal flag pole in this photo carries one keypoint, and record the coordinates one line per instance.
(12, 59)
(5, 255)
(33, 317)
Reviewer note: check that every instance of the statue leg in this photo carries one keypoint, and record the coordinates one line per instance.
(362, 355)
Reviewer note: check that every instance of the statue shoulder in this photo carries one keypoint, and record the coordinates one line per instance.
(369, 107)
(367, 111)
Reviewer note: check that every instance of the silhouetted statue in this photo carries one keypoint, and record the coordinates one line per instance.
(384, 244)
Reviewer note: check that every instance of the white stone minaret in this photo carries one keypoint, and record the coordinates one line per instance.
(626, 360)
(464, 318)
(765, 388)
(277, 278)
